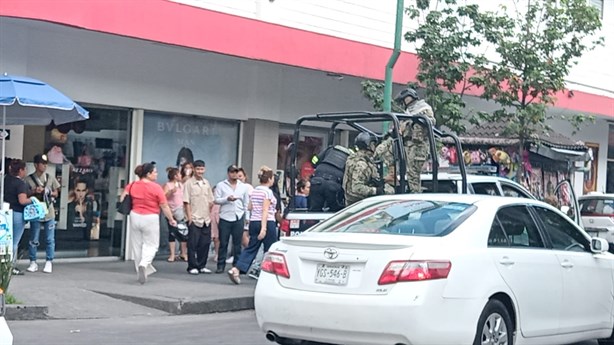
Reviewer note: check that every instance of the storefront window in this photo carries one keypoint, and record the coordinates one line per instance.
(88, 158)
(170, 139)
(310, 144)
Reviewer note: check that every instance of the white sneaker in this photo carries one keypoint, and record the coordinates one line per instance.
(142, 275)
(193, 271)
(205, 270)
(33, 267)
(48, 267)
(229, 260)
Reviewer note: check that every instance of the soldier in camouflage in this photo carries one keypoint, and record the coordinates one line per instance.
(418, 147)
(383, 153)
(361, 179)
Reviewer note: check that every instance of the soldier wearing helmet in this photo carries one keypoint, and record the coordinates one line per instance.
(415, 136)
(361, 179)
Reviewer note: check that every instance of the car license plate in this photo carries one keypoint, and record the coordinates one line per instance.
(295, 223)
(331, 274)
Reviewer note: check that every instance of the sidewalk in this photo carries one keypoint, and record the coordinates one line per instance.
(110, 289)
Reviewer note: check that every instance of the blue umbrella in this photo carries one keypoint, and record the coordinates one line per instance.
(27, 101)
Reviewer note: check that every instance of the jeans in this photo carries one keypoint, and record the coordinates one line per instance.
(249, 254)
(227, 229)
(18, 226)
(35, 229)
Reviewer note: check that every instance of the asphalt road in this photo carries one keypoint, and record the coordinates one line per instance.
(237, 328)
(212, 329)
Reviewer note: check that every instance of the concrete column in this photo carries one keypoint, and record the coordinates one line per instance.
(259, 146)
(136, 154)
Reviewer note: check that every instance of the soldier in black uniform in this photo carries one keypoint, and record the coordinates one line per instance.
(326, 183)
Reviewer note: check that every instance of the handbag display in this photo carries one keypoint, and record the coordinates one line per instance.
(125, 206)
(34, 211)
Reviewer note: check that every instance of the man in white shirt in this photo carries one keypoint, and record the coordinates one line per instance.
(233, 197)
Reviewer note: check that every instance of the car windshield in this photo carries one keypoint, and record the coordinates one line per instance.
(399, 217)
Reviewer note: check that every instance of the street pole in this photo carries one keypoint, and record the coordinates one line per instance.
(393, 60)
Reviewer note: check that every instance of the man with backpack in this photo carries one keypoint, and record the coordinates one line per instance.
(45, 188)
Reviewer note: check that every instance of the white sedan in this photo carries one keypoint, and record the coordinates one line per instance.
(439, 269)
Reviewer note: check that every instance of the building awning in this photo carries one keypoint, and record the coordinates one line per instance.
(561, 154)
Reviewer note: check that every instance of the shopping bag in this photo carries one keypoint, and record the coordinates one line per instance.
(34, 211)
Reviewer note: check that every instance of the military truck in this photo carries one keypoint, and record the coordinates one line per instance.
(296, 220)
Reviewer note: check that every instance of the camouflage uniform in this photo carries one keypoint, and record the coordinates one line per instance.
(418, 149)
(360, 171)
(383, 153)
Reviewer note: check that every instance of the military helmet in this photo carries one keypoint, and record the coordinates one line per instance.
(400, 98)
(363, 140)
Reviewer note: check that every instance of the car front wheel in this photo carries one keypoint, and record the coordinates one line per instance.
(494, 325)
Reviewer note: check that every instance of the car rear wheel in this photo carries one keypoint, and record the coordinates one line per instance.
(494, 325)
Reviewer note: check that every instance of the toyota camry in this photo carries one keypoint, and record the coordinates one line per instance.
(439, 269)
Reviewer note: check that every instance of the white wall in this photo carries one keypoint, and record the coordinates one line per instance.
(97, 68)
(591, 133)
(373, 22)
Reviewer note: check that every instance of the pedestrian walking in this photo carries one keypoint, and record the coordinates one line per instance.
(233, 197)
(262, 230)
(16, 195)
(147, 200)
(198, 201)
(45, 188)
(243, 178)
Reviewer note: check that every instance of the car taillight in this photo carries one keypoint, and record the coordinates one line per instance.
(285, 227)
(276, 264)
(405, 271)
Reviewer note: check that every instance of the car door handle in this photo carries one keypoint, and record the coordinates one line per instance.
(566, 264)
(505, 261)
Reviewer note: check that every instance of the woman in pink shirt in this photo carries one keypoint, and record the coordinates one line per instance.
(262, 229)
(147, 200)
(173, 190)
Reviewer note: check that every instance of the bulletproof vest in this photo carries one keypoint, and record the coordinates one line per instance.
(332, 166)
(336, 157)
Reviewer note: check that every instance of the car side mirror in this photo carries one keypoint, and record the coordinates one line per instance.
(599, 245)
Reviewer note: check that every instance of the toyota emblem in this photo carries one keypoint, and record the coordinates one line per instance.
(331, 253)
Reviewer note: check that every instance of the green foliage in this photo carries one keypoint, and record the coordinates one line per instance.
(446, 40)
(10, 299)
(535, 52)
(6, 271)
(374, 91)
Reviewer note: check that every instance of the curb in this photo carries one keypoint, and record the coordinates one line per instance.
(183, 307)
(20, 312)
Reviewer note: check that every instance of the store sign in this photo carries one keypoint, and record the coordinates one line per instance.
(170, 140)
